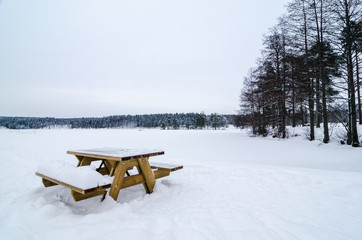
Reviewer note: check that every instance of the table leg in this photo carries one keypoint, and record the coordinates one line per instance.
(83, 161)
(111, 166)
(147, 173)
(118, 180)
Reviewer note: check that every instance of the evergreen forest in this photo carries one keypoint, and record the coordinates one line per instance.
(163, 121)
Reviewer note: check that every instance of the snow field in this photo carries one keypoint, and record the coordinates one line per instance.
(232, 187)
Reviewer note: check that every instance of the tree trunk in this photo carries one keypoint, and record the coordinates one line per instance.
(318, 102)
(322, 77)
(349, 136)
(302, 114)
(293, 104)
(284, 94)
(324, 80)
(311, 110)
(358, 90)
(309, 80)
(325, 116)
(354, 133)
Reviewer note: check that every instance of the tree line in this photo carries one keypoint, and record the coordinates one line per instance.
(308, 72)
(163, 121)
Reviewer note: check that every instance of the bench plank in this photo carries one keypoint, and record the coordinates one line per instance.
(117, 154)
(78, 196)
(84, 177)
(171, 167)
(53, 182)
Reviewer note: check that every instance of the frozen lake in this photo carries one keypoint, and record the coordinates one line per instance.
(232, 187)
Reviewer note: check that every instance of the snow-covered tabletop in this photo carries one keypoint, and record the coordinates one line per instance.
(116, 153)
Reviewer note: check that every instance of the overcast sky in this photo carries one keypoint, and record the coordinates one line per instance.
(69, 58)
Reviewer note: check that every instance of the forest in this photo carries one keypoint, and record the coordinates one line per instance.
(163, 121)
(308, 72)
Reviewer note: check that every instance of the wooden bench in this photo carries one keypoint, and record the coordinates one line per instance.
(84, 183)
(164, 169)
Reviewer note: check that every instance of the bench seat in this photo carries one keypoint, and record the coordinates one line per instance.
(164, 169)
(166, 166)
(83, 181)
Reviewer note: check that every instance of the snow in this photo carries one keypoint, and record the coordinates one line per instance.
(81, 177)
(118, 152)
(232, 186)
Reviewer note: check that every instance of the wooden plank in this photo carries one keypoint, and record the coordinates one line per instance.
(80, 158)
(161, 173)
(97, 188)
(60, 183)
(74, 188)
(48, 183)
(143, 156)
(86, 161)
(132, 181)
(103, 171)
(131, 164)
(139, 179)
(115, 158)
(111, 166)
(147, 173)
(118, 180)
(172, 167)
(143, 182)
(79, 196)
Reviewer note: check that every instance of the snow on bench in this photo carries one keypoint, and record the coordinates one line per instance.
(80, 179)
(166, 166)
(164, 169)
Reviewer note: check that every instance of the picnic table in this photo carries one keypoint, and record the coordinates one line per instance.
(114, 162)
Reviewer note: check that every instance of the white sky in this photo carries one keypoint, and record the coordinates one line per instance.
(68, 58)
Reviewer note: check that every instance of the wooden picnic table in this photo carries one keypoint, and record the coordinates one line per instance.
(116, 162)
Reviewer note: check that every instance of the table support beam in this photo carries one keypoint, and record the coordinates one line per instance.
(48, 183)
(118, 180)
(79, 196)
(84, 161)
(147, 173)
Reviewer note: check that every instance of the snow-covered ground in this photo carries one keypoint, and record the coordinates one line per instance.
(232, 187)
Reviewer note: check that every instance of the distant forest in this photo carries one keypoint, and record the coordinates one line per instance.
(163, 121)
(308, 72)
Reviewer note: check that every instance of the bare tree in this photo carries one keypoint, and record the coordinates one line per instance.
(349, 11)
